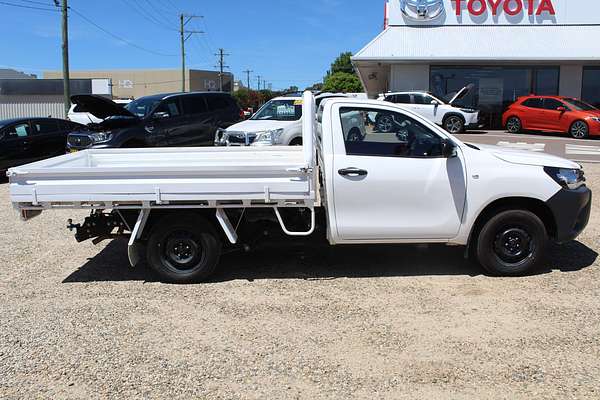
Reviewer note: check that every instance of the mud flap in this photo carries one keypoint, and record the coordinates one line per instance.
(135, 253)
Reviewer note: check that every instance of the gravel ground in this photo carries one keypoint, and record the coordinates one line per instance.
(374, 322)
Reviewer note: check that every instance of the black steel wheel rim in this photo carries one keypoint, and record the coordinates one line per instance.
(513, 245)
(182, 251)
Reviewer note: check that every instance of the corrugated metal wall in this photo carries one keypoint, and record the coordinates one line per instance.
(31, 106)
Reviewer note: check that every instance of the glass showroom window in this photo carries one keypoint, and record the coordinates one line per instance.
(591, 86)
(495, 88)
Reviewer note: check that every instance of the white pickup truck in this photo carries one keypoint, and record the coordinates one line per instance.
(350, 182)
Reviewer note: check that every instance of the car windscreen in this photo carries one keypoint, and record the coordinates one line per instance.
(142, 107)
(579, 105)
(280, 110)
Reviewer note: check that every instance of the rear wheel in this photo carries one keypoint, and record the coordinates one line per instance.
(579, 130)
(514, 125)
(512, 243)
(454, 124)
(183, 248)
(384, 123)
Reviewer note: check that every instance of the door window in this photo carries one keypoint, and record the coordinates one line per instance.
(533, 103)
(373, 132)
(44, 127)
(422, 99)
(171, 107)
(552, 104)
(16, 131)
(217, 102)
(193, 105)
(399, 99)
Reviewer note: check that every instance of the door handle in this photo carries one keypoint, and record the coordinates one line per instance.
(353, 172)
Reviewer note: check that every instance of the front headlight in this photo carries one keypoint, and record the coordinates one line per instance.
(567, 178)
(101, 137)
(468, 110)
(268, 137)
(595, 119)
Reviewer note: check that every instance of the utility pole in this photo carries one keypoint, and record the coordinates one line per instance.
(221, 67)
(258, 80)
(65, 54)
(185, 35)
(248, 72)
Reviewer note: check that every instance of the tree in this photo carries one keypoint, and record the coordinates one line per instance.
(343, 82)
(342, 64)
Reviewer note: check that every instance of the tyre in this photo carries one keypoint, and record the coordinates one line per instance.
(512, 243)
(579, 130)
(514, 125)
(183, 249)
(454, 124)
(384, 123)
(296, 142)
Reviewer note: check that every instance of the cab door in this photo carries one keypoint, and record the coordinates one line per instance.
(201, 129)
(167, 124)
(394, 185)
(552, 115)
(15, 145)
(425, 107)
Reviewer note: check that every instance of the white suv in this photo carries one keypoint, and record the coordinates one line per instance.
(452, 118)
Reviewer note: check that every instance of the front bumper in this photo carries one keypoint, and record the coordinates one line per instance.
(571, 210)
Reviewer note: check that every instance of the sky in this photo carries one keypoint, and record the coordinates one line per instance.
(286, 42)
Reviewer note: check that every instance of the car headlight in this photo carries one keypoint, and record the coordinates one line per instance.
(268, 137)
(468, 110)
(595, 119)
(567, 178)
(101, 137)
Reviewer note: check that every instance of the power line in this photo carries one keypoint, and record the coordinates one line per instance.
(28, 7)
(118, 37)
(143, 13)
(158, 12)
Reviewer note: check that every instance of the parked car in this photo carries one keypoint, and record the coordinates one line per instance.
(451, 116)
(26, 140)
(553, 114)
(85, 118)
(278, 122)
(165, 120)
(180, 209)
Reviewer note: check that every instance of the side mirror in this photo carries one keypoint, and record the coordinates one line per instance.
(561, 109)
(448, 148)
(160, 115)
(435, 102)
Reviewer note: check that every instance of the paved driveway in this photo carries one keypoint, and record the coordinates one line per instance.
(577, 150)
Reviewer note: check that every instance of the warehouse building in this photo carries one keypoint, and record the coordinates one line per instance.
(505, 48)
(127, 84)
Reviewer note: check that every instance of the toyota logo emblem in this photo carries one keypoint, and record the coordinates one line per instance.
(422, 10)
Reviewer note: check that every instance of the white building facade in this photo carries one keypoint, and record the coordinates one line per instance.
(504, 48)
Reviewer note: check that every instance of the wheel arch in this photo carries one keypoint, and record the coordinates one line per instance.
(536, 206)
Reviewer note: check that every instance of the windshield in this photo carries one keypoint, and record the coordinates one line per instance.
(142, 107)
(579, 105)
(280, 110)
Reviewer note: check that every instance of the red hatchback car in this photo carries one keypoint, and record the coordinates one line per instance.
(553, 114)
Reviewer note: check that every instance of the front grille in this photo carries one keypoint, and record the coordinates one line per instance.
(240, 138)
(79, 141)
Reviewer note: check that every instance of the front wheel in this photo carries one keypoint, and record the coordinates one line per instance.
(579, 130)
(513, 125)
(512, 243)
(454, 124)
(183, 249)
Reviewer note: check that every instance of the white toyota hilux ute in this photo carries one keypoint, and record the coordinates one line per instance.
(350, 183)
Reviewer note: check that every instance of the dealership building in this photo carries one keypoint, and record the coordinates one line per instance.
(504, 48)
